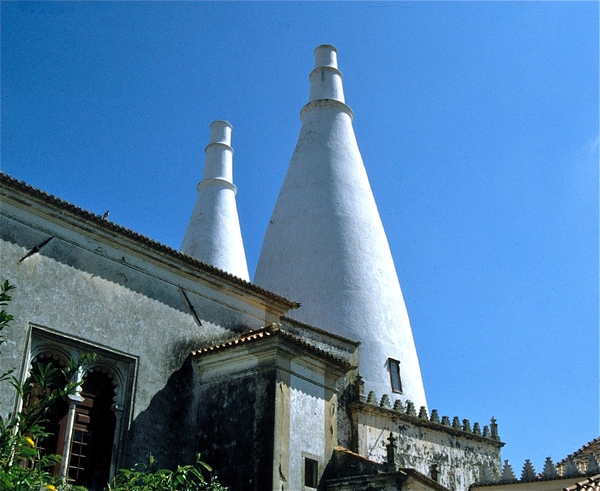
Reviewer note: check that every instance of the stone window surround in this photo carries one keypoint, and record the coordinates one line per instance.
(319, 462)
(120, 367)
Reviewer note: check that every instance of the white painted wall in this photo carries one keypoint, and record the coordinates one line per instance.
(213, 234)
(326, 248)
(307, 421)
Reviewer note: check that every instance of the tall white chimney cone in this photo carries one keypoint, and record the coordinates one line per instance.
(325, 246)
(213, 234)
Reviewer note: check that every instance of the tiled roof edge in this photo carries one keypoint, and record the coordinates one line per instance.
(38, 194)
(518, 481)
(580, 450)
(583, 485)
(432, 483)
(319, 330)
(344, 450)
(268, 331)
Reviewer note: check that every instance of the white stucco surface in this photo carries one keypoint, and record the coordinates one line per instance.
(307, 423)
(326, 247)
(213, 234)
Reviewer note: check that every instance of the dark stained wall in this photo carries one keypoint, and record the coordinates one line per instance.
(236, 420)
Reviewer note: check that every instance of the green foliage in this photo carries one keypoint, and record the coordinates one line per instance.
(146, 478)
(22, 465)
(5, 317)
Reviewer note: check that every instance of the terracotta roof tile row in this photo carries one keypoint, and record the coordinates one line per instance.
(583, 453)
(590, 484)
(244, 338)
(151, 244)
(268, 331)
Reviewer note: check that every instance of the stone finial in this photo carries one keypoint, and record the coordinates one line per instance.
(494, 429)
(435, 417)
(528, 473)
(423, 413)
(445, 420)
(410, 408)
(508, 475)
(398, 406)
(433, 472)
(385, 402)
(486, 431)
(571, 469)
(359, 388)
(391, 449)
(456, 423)
(371, 398)
(549, 471)
(466, 426)
(592, 465)
(476, 429)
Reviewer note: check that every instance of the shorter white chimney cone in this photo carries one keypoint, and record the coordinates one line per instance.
(213, 235)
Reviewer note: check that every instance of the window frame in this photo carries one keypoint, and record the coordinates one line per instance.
(118, 366)
(311, 471)
(394, 369)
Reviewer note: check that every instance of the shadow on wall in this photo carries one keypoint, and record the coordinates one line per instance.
(98, 263)
(167, 427)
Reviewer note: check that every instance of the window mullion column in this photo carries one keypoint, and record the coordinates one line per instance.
(74, 399)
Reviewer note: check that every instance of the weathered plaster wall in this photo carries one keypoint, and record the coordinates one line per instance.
(307, 421)
(460, 456)
(325, 245)
(96, 292)
(235, 428)
(313, 417)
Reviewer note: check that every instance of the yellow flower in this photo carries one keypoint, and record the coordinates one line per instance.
(30, 441)
(50, 487)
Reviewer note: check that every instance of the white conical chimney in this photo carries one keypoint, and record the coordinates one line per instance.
(213, 234)
(325, 246)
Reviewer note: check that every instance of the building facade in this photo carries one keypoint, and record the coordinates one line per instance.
(307, 378)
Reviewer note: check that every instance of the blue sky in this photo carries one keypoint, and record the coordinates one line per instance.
(477, 123)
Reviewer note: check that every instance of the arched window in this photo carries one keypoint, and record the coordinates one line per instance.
(81, 428)
(93, 433)
(54, 420)
(89, 428)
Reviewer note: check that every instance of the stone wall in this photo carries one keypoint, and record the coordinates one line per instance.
(235, 428)
(462, 457)
(95, 286)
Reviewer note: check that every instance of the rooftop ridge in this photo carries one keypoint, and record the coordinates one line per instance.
(154, 245)
(586, 447)
(489, 433)
(272, 330)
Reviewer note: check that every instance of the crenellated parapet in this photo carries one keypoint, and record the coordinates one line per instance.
(407, 411)
(564, 470)
(452, 451)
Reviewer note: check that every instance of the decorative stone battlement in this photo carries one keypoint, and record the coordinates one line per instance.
(567, 469)
(408, 411)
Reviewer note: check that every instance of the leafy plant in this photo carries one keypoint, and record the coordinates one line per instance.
(23, 467)
(145, 477)
(5, 317)
(23, 464)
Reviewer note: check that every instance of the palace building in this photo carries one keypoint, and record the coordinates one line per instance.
(306, 377)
